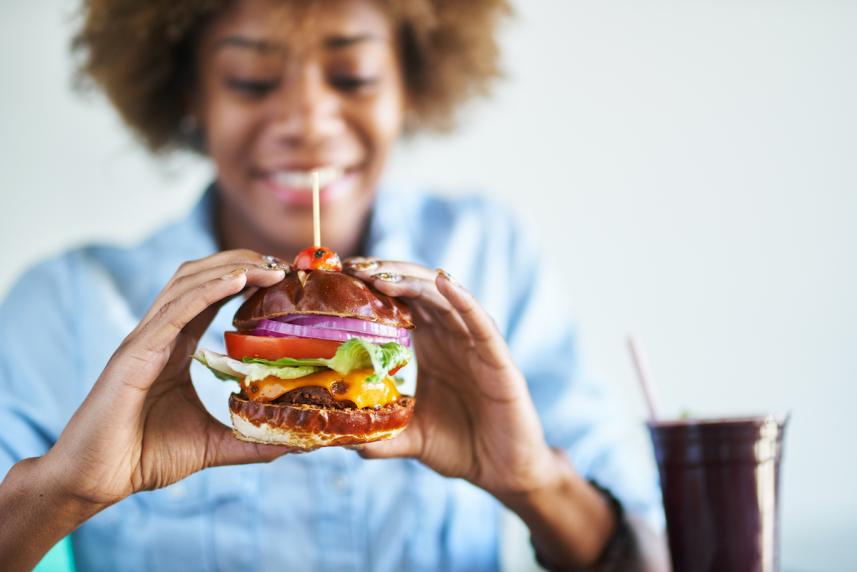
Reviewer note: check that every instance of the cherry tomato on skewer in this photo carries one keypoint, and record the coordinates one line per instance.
(318, 258)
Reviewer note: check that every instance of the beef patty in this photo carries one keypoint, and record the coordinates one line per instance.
(313, 395)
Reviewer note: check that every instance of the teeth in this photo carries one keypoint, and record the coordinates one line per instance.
(303, 179)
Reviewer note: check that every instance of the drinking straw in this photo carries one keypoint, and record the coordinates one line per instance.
(316, 219)
(641, 366)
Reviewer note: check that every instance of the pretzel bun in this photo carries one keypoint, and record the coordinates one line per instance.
(309, 427)
(323, 293)
(311, 414)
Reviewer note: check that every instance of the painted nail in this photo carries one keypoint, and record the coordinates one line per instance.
(363, 265)
(275, 266)
(234, 274)
(448, 276)
(274, 263)
(388, 276)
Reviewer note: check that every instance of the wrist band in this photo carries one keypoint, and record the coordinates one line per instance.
(618, 554)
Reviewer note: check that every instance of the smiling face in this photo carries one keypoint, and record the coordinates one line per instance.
(282, 90)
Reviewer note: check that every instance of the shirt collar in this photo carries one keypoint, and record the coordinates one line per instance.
(388, 237)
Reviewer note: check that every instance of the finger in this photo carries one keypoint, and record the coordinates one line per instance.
(423, 296)
(225, 449)
(226, 257)
(407, 444)
(256, 278)
(236, 256)
(153, 342)
(490, 344)
(188, 339)
(262, 274)
(353, 260)
(365, 268)
(248, 292)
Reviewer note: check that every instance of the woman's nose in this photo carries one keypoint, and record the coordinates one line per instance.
(308, 109)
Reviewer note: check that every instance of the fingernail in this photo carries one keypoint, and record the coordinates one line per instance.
(447, 275)
(388, 276)
(273, 263)
(354, 447)
(363, 265)
(276, 266)
(234, 274)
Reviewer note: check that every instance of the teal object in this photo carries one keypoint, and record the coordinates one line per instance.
(58, 559)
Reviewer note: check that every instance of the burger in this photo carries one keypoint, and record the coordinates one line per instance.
(315, 357)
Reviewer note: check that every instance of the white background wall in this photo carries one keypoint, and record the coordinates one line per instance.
(691, 165)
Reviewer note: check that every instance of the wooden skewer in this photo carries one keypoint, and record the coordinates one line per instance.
(316, 214)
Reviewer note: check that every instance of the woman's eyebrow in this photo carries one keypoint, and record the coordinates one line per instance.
(246, 42)
(334, 42)
(344, 41)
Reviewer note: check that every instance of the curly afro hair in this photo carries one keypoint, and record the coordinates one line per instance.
(140, 53)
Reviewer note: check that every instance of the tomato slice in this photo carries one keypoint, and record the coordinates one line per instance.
(239, 346)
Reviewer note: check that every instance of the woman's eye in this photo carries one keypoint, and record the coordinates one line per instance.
(349, 83)
(252, 87)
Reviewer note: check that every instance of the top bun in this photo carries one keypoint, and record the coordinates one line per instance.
(323, 293)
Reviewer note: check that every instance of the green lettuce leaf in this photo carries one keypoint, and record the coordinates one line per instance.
(226, 368)
(353, 354)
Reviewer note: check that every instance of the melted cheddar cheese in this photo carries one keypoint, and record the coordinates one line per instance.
(349, 387)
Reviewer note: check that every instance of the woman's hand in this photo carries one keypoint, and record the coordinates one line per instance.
(475, 418)
(142, 426)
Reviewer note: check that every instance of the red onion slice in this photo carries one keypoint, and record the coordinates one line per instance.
(281, 329)
(347, 324)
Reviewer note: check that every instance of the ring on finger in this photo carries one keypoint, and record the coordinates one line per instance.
(388, 276)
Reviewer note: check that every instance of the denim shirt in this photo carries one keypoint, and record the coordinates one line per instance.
(329, 509)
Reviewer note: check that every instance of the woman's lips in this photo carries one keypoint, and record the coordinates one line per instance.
(294, 187)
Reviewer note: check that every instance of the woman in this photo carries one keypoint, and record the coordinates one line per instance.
(270, 91)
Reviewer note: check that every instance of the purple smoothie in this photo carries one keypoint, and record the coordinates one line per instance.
(720, 483)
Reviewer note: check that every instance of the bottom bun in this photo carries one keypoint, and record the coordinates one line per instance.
(309, 427)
